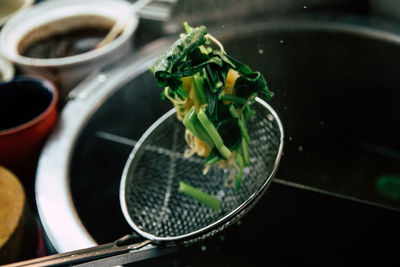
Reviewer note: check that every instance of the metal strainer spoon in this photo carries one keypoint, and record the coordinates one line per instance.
(149, 194)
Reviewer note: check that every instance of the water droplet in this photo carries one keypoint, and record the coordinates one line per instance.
(102, 78)
(290, 138)
(270, 117)
(281, 41)
(300, 148)
(305, 6)
(203, 248)
(260, 51)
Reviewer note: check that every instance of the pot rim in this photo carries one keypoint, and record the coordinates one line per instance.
(56, 208)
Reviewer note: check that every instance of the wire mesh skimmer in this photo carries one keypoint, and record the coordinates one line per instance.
(156, 210)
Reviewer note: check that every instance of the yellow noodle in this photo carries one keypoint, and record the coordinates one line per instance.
(179, 104)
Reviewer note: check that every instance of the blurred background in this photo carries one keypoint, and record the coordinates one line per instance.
(333, 66)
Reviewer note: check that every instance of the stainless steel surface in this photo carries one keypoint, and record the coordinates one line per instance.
(85, 255)
(56, 209)
(159, 10)
(122, 21)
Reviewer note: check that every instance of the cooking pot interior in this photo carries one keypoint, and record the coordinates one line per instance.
(335, 92)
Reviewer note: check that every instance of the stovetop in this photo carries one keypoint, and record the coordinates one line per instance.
(328, 134)
(334, 84)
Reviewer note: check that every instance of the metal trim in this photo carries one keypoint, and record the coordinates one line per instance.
(57, 213)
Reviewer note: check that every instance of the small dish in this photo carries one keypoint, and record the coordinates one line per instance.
(57, 16)
(29, 108)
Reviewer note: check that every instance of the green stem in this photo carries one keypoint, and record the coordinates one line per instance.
(188, 29)
(245, 152)
(232, 98)
(239, 160)
(181, 92)
(212, 160)
(193, 124)
(250, 98)
(241, 123)
(199, 89)
(248, 112)
(208, 200)
(213, 133)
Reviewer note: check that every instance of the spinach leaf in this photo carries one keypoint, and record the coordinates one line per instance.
(213, 78)
(187, 68)
(165, 78)
(239, 66)
(178, 51)
(251, 83)
(229, 132)
(225, 58)
(212, 102)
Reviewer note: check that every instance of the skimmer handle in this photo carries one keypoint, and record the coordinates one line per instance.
(111, 254)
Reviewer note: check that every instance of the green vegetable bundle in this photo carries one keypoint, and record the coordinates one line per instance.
(213, 94)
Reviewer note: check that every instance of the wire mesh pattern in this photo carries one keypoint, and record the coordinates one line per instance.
(155, 205)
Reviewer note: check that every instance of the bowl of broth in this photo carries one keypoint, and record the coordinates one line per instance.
(57, 39)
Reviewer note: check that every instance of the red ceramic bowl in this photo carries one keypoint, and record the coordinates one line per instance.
(27, 114)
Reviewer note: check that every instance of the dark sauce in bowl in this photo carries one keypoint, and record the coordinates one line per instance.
(65, 44)
(21, 101)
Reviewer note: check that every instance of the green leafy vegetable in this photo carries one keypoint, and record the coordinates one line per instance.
(213, 94)
(166, 64)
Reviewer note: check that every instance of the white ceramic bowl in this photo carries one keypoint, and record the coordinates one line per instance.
(59, 15)
(6, 70)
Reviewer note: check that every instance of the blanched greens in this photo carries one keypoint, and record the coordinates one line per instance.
(213, 94)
